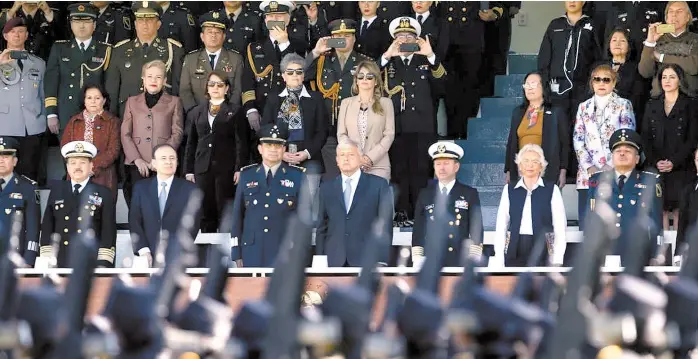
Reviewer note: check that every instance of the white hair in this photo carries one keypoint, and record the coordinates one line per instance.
(347, 142)
(532, 147)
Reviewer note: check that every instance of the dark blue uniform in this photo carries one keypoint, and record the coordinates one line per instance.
(20, 195)
(628, 202)
(261, 212)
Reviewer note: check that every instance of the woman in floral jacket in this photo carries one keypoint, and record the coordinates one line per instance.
(597, 119)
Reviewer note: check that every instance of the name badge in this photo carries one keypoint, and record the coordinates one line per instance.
(60, 201)
(97, 59)
(462, 204)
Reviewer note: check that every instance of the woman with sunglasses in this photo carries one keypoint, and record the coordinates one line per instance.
(217, 147)
(304, 114)
(368, 119)
(670, 136)
(597, 119)
(537, 122)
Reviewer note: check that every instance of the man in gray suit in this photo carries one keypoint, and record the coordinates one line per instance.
(22, 111)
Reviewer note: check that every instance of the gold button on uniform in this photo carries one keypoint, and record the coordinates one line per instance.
(65, 243)
(79, 218)
(267, 194)
(79, 230)
(65, 230)
(450, 18)
(450, 249)
(266, 230)
(266, 218)
(450, 236)
(67, 218)
(266, 205)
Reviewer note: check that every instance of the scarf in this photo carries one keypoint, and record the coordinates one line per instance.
(290, 112)
(152, 99)
(89, 125)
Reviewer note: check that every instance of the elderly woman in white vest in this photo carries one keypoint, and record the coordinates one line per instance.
(530, 210)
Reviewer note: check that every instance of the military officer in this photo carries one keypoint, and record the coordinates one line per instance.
(335, 10)
(626, 193)
(71, 201)
(199, 64)
(243, 26)
(463, 215)
(18, 195)
(178, 24)
(73, 64)
(411, 81)
(332, 73)
(114, 24)
(373, 37)
(124, 76)
(266, 196)
(43, 25)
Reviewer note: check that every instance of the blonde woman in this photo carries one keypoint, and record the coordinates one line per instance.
(369, 120)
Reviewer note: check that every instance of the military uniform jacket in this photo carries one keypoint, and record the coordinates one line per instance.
(195, 71)
(22, 109)
(178, 24)
(412, 88)
(20, 195)
(124, 73)
(42, 33)
(326, 75)
(463, 220)
(64, 216)
(635, 18)
(262, 75)
(465, 27)
(261, 212)
(244, 31)
(114, 25)
(376, 39)
(628, 202)
(69, 69)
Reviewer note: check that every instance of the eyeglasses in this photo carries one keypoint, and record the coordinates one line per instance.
(219, 84)
(406, 37)
(296, 71)
(606, 80)
(361, 76)
(530, 85)
(530, 162)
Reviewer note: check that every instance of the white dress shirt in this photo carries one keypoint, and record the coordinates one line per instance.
(449, 186)
(82, 185)
(7, 180)
(215, 59)
(168, 186)
(235, 13)
(86, 42)
(431, 59)
(273, 168)
(282, 45)
(526, 228)
(627, 176)
(370, 21)
(354, 182)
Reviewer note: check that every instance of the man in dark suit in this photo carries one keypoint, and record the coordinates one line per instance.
(18, 194)
(462, 218)
(348, 207)
(69, 204)
(266, 197)
(158, 204)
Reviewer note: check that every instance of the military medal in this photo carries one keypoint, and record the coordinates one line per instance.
(254, 202)
(280, 201)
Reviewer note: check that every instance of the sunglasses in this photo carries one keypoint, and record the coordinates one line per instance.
(366, 76)
(606, 80)
(218, 84)
(296, 71)
(530, 85)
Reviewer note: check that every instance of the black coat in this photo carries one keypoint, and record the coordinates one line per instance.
(672, 137)
(376, 39)
(556, 143)
(221, 148)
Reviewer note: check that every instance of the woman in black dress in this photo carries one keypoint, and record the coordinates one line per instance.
(623, 60)
(670, 135)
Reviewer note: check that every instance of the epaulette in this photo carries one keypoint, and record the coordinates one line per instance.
(61, 41)
(249, 166)
(302, 169)
(121, 42)
(364, 56)
(651, 173)
(102, 42)
(193, 51)
(174, 42)
(234, 51)
(30, 180)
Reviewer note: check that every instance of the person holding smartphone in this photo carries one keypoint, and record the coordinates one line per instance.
(414, 75)
(43, 25)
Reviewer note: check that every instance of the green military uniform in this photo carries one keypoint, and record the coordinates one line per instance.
(69, 68)
(124, 74)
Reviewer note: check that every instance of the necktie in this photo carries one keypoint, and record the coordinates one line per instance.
(76, 189)
(212, 61)
(364, 27)
(444, 191)
(20, 64)
(406, 61)
(347, 194)
(276, 48)
(621, 182)
(269, 177)
(419, 19)
(162, 197)
(231, 19)
(2, 182)
(145, 48)
(82, 46)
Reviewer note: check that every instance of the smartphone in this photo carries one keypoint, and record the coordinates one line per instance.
(410, 47)
(18, 55)
(665, 28)
(337, 42)
(292, 148)
(273, 24)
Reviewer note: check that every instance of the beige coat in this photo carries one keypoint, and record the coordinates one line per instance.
(379, 135)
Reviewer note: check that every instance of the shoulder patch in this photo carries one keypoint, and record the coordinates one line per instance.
(121, 42)
(302, 169)
(249, 166)
(29, 180)
(61, 41)
(174, 42)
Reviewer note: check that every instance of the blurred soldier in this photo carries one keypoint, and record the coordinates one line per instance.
(42, 22)
(243, 26)
(373, 36)
(114, 24)
(70, 200)
(178, 24)
(627, 190)
(266, 196)
(199, 64)
(411, 80)
(73, 64)
(123, 76)
(18, 194)
(310, 20)
(464, 217)
(22, 97)
(332, 73)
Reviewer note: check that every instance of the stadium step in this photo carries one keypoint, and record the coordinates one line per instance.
(481, 174)
(483, 151)
(489, 128)
(508, 85)
(489, 195)
(498, 106)
(522, 63)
